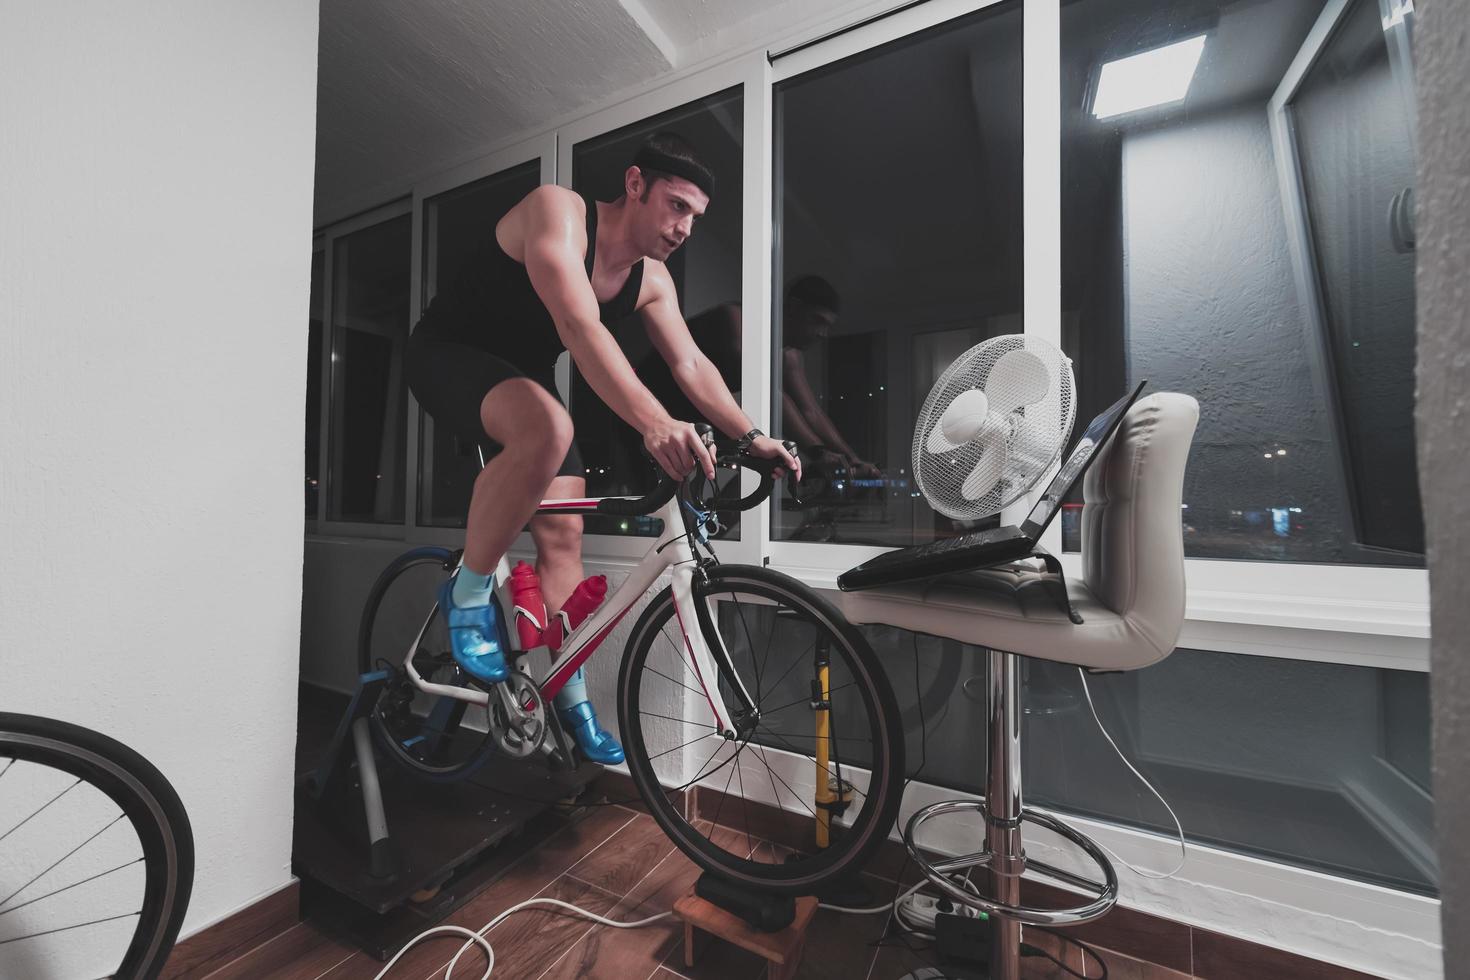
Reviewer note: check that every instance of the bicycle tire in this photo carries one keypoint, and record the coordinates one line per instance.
(388, 723)
(151, 806)
(848, 851)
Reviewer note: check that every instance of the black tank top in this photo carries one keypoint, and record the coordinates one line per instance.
(490, 304)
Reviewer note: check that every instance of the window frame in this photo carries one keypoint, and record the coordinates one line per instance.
(321, 243)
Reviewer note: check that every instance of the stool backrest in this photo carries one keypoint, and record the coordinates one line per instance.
(1132, 532)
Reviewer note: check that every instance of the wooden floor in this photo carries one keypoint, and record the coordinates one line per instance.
(617, 863)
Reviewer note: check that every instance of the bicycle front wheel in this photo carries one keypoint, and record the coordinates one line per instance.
(760, 797)
(96, 855)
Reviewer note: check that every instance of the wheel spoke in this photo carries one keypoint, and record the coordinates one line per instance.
(724, 795)
(749, 847)
(682, 721)
(672, 681)
(794, 661)
(793, 749)
(807, 699)
(40, 808)
(63, 857)
(38, 898)
(777, 775)
(685, 745)
(79, 925)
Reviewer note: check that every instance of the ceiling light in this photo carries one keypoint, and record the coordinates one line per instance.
(1147, 79)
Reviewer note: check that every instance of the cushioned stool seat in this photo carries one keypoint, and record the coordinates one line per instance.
(1013, 608)
(1131, 596)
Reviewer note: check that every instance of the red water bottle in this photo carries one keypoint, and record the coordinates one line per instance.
(530, 608)
(586, 597)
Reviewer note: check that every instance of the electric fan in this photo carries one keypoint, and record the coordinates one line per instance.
(994, 422)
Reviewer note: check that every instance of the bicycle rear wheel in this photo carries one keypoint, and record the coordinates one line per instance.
(439, 738)
(762, 787)
(96, 855)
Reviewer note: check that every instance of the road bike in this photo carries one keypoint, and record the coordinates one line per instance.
(735, 679)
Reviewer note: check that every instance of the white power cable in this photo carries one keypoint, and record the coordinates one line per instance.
(478, 938)
(1183, 850)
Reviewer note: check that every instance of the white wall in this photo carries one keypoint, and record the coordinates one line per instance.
(155, 226)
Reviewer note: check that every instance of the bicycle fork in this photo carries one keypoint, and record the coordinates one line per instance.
(708, 658)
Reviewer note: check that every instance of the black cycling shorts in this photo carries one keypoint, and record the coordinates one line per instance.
(451, 380)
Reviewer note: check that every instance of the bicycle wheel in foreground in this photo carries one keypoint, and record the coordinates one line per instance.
(96, 855)
(761, 788)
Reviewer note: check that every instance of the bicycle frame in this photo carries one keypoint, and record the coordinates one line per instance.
(672, 552)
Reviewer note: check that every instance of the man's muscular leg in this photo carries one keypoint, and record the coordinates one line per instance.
(558, 540)
(535, 431)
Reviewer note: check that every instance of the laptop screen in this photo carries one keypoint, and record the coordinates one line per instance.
(1056, 491)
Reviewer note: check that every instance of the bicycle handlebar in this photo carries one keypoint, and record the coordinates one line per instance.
(668, 486)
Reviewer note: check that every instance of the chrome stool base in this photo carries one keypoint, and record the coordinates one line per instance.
(1003, 857)
(938, 872)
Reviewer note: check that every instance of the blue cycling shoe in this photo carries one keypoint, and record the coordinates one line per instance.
(474, 637)
(595, 743)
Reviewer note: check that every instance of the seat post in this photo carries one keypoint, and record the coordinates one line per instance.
(1003, 808)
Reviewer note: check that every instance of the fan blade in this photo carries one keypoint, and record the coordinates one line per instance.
(960, 422)
(987, 472)
(1018, 378)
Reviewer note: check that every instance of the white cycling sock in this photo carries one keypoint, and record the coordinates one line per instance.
(472, 588)
(574, 692)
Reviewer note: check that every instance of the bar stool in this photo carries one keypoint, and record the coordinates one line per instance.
(1131, 603)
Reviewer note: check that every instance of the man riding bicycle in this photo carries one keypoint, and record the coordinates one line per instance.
(557, 269)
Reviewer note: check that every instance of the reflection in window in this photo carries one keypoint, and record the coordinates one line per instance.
(1323, 766)
(370, 313)
(1176, 268)
(456, 223)
(707, 275)
(314, 382)
(899, 208)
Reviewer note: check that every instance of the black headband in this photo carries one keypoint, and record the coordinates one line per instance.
(650, 159)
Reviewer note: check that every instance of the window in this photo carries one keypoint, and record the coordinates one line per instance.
(707, 276)
(370, 316)
(1177, 268)
(455, 224)
(894, 255)
(314, 382)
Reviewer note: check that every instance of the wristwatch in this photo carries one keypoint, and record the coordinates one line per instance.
(744, 442)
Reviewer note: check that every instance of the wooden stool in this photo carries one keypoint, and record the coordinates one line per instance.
(782, 950)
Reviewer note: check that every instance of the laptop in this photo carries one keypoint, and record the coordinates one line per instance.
(997, 545)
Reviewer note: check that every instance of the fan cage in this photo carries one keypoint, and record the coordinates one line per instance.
(1035, 434)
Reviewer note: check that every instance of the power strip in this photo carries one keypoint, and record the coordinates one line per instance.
(918, 911)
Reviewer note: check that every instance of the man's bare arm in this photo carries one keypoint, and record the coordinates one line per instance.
(555, 250)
